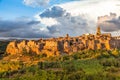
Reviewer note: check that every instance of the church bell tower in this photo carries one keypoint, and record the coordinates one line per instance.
(98, 31)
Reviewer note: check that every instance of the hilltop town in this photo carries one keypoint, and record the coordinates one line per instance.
(65, 45)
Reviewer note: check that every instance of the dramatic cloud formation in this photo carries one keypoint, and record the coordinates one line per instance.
(93, 8)
(53, 12)
(36, 3)
(75, 18)
(78, 17)
(109, 22)
(70, 25)
(22, 29)
(65, 22)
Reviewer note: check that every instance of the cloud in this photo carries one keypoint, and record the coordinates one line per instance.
(41, 3)
(93, 8)
(79, 17)
(74, 18)
(64, 22)
(22, 29)
(109, 22)
(53, 12)
(36, 3)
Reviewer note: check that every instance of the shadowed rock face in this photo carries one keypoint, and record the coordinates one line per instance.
(58, 46)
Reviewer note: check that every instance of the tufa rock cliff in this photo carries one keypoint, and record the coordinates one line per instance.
(64, 45)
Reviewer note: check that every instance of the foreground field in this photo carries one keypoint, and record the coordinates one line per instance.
(83, 65)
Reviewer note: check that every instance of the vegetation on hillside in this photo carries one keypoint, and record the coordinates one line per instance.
(3, 45)
(83, 65)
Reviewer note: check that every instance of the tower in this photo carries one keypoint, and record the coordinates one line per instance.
(67, 35)
(98, 31)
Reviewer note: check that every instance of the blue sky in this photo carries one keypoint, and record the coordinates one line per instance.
(54, 18)
(10, 9)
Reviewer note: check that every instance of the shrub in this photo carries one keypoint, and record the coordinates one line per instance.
(79, 75)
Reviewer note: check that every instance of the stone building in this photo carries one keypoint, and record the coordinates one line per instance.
(61, 45)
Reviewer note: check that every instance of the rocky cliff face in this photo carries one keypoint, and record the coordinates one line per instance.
(23, 46)
(12, 48)
(48, 47)
(58, 46)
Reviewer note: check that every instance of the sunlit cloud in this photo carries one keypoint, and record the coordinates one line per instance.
(78, 17)
(35, 3)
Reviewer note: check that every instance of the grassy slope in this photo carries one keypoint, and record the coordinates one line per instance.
(69, 67)
(83, 65)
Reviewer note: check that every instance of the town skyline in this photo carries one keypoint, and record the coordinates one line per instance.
(54, 18)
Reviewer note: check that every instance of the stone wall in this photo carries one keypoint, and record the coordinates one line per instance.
(61, 45)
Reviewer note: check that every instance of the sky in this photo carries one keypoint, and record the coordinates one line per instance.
(54, 18)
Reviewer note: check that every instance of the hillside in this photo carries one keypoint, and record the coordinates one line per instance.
(81, 65)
